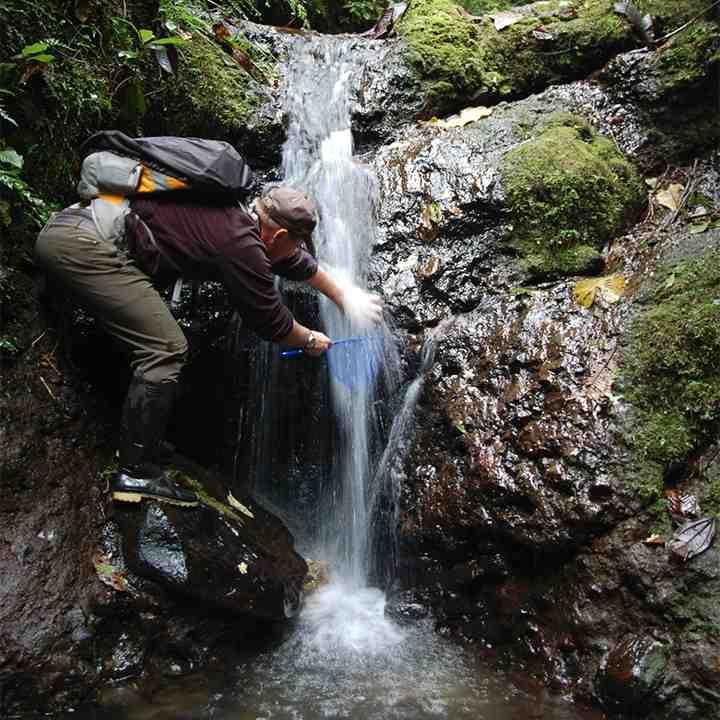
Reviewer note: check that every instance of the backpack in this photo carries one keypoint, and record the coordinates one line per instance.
(203, 166)
(117, 167)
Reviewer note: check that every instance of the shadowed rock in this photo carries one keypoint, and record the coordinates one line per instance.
(239, 559)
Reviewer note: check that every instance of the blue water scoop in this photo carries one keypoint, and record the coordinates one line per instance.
(354, 361)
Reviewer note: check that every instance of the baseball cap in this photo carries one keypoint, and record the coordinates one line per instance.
(291, 209)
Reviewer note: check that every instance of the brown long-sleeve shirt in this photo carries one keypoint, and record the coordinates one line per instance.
(206, 242)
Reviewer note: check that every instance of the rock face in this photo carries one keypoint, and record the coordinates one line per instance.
(523, 453)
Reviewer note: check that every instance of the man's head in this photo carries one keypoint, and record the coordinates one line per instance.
(287, 220)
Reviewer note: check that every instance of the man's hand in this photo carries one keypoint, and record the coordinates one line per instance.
(362, 308)
(316, 344)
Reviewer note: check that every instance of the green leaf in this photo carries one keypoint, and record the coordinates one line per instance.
(699, 227)
(29, 50)
(8, 346)
(12, 158)
(5, 217)
(174, 40)
(146, 36)
(42, 58)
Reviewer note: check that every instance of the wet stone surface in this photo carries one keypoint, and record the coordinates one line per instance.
(241, 561)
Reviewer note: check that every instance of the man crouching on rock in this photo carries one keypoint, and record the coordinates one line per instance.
(166, 238)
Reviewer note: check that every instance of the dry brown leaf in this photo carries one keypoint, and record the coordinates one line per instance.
(654, 539)
(670, 196)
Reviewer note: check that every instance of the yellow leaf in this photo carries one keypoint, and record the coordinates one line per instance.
(654, 539)
(468, 115)
(611, 288)
(670, 196)
(234, 502)
(585, 291)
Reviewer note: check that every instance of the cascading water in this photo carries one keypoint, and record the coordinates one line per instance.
(318, 155)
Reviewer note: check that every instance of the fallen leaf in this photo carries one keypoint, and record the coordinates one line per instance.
(163, 60)
(654, 539)
(234, 502)
(698, 212)
(221, 32)
(431, 267)
(543, 35)
(692, 538)
(643, 24)
(109, 574)
(466, 116)
(699, 227)
(385, 24)
(505, 19)
(651, 182)
(611, 288)
(670, 196)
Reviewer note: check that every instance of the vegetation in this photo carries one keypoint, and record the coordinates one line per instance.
(569, 190)
(671, 374)
(463, 61)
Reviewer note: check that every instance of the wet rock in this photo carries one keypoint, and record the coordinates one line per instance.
(241, 560)
(632, 672)
(406, 607)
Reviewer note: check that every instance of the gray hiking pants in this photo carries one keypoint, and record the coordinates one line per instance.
(107, 284)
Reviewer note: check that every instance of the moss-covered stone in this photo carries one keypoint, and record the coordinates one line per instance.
(689, 57)
(671, 373)
(568, 190)
(462, 61)
(211, 91)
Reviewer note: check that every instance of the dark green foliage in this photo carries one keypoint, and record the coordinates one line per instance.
(569, 190)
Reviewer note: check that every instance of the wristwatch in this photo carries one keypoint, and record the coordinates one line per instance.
(310, 342)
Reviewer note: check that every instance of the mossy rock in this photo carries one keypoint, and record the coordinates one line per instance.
(671, 373)
(462, 61)
(568, 191)
(211, 94)
(690, 57)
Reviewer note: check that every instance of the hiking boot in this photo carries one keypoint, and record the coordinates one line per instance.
(144, 418)
(127, 488)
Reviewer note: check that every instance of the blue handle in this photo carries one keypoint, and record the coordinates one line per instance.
(297, 352)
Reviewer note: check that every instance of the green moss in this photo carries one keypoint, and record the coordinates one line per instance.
(463, 61)
(568, 190)
(689, 57)
(210, 91)
(671, 371)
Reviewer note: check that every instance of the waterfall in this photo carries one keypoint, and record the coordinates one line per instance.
(318, 157)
